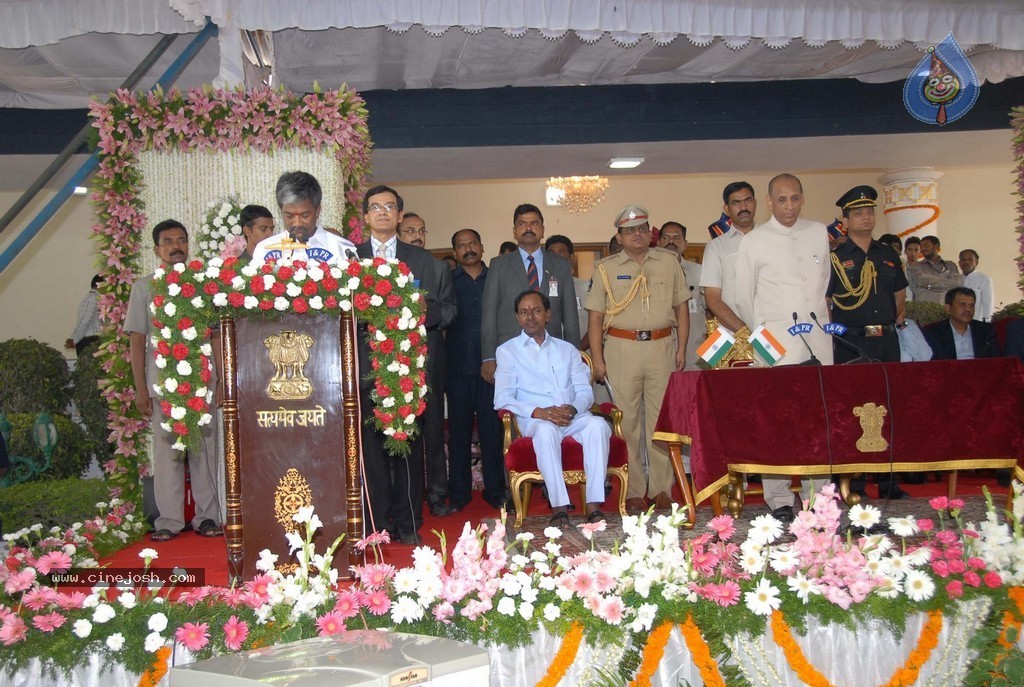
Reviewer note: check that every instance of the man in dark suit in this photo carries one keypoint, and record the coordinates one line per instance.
(961, 337)
(395, 485)
(511, 274)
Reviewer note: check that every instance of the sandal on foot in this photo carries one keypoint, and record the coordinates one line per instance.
(163, 535)
(208, 528)
(595, 516)
(560, 519)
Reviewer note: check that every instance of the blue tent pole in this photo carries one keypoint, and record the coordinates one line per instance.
(89, 166)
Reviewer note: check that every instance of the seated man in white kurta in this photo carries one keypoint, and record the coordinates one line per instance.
(545, 384)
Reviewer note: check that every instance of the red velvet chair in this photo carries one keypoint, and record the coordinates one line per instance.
(521, 461)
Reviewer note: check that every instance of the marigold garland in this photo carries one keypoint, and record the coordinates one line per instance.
(907, 232)
(903, 677)
(654, 651)
(155, 673)
(1011, 619)
(700, 653)
(564, 658)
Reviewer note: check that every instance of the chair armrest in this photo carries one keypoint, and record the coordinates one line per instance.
(610, 412)
(510, 427)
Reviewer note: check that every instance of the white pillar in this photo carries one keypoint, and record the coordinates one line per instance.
(911, 201)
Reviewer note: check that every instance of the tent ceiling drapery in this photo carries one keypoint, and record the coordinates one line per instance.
(55, 54)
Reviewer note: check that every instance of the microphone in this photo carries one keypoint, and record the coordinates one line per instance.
(863, 357)
(798, 330)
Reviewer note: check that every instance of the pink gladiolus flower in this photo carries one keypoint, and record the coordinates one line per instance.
(55, 560)
(13, 630)
(723, 526)
(193, 635)
(330, 624)
(443, 612)
(235, 633)
(48, 622)
(939, 502)
(346, 604)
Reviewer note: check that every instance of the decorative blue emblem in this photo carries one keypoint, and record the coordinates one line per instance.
(315, 253)
(943, 86)
(835, 328)
(801, 328)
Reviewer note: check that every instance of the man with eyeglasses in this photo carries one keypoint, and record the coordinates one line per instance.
(529, 267)
(673, 237)
(638, 297)
(413, 230)
(395, 486)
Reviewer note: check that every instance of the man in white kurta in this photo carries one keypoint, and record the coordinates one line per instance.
(783, 268)
(545, 384)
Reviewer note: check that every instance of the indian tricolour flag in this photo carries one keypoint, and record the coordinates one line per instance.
(716, 346)
(766, 345)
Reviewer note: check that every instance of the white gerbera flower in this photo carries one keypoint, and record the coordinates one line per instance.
(763, 599)
(764, 529)
(903, 527)
(918, 585)
(865, 517)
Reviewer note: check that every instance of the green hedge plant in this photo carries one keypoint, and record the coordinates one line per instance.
(51, 503)
(33, 377)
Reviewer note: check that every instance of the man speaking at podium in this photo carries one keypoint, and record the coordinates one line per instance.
(782, 273)
(299, 197)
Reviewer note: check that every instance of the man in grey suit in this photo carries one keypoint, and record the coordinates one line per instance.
(510, 274)
(395, 486)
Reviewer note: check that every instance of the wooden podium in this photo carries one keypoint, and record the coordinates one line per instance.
(291, 436)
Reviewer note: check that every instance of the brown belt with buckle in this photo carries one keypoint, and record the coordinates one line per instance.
(640, 334)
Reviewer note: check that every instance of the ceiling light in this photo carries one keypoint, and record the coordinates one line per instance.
(579, 194)
(625, 162)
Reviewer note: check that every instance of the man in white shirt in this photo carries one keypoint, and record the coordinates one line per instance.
(545, 384)
(978, 282)
(299, 197)
(718, 270)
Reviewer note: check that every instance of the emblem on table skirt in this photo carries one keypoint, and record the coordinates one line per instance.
(289, 352)
(872, 419)
(291, 494)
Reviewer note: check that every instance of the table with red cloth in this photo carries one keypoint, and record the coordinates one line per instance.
(940, 415)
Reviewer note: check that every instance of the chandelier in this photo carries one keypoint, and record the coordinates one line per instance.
(579, 194)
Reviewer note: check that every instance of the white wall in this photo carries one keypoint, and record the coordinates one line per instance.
(40, 292)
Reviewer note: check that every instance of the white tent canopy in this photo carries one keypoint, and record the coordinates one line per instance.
(57, 54)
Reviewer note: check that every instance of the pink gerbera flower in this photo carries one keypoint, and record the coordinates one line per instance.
(377, 602)
(193, 635)
(346, 604)
(723, 526)
(376, 576)
(39, 598)
(235, 632)
(330, 624)
(48, 622)
(55, 560)
(13, 630)
(70, 601)
(373, 539)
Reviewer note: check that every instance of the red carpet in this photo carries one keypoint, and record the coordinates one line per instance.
(191, 551)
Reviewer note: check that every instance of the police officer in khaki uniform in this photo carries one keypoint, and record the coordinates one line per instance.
(638, 296)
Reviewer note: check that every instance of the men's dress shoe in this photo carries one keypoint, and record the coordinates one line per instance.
(662, 502)
(439, 509)
(455, 505)
(893, 492)
(784, 514)
(409, 537)
(635, 505)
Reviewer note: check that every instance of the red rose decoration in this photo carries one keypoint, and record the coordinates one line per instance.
(211, 288)
(195, 265)
(368, 281)
(406, 384)
(180, 428)
(278, 288)
(400, 436)
(382, 288)
(227, 275)
(158, 300)
(184, 389)
(179, 351)
(393, 300)
(188, 290)
(162, 348)
(329, 283)
(310, 288)
(256, 286)
(354, 269)
(266, 305)
(414, 338)
(184, 323)
(387, 346)
(331, 302)
(172, 277)
(405, 411)
(300, 305)
(165, 408)
(285, 273)
(361, 301)
(236, 299)
(205, 375)
(197, 404)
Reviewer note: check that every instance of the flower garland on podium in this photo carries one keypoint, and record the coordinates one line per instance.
(381, 293)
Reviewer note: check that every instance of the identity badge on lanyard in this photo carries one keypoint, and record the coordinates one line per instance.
(552, 287)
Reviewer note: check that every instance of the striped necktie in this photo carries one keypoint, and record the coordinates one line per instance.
(531, 274)
(382, 251)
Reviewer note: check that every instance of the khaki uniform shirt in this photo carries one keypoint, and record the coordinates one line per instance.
(666, 287)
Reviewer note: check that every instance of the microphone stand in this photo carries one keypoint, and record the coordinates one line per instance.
(813, 360)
